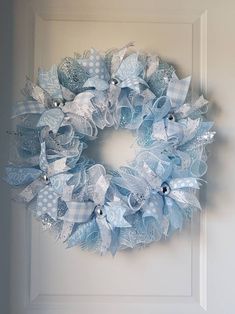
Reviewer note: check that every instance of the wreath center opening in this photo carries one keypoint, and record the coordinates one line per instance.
(113, 148)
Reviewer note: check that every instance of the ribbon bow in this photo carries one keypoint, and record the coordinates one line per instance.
(149, 172)
(36, 179)
(97, 185)
(127, 72)
(48, 99)
(153, 190)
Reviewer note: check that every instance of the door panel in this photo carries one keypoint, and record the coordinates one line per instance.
(130, 273)
(174, 276)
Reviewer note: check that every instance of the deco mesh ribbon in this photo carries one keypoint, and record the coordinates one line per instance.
(84, 203)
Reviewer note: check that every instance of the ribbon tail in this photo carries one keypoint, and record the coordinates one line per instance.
(105, 234)
(31, 190)
(43, 163)
(188, 182)
(48, 80)
(177, 90)
(97, 83)
(133, 83)
(58, 166)
(114, 92)
(47, 202)
(78, 212)
(98, 190)
(26, 107)
(66, 230)
(37, 93)
(118, 57)
(17, 176)
(185, 199)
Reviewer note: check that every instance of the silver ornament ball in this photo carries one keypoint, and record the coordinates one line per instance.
(99, 210)
(165, 189)
(171, 117)
(58, 103)
(114, 81)
(45, 177)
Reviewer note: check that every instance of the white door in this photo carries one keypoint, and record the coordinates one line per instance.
(192, 273)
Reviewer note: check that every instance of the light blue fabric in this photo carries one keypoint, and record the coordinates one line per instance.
(84, 203)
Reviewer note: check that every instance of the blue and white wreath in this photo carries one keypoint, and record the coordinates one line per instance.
(86, 204)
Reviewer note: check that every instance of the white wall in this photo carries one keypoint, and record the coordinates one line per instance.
(5, 105)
